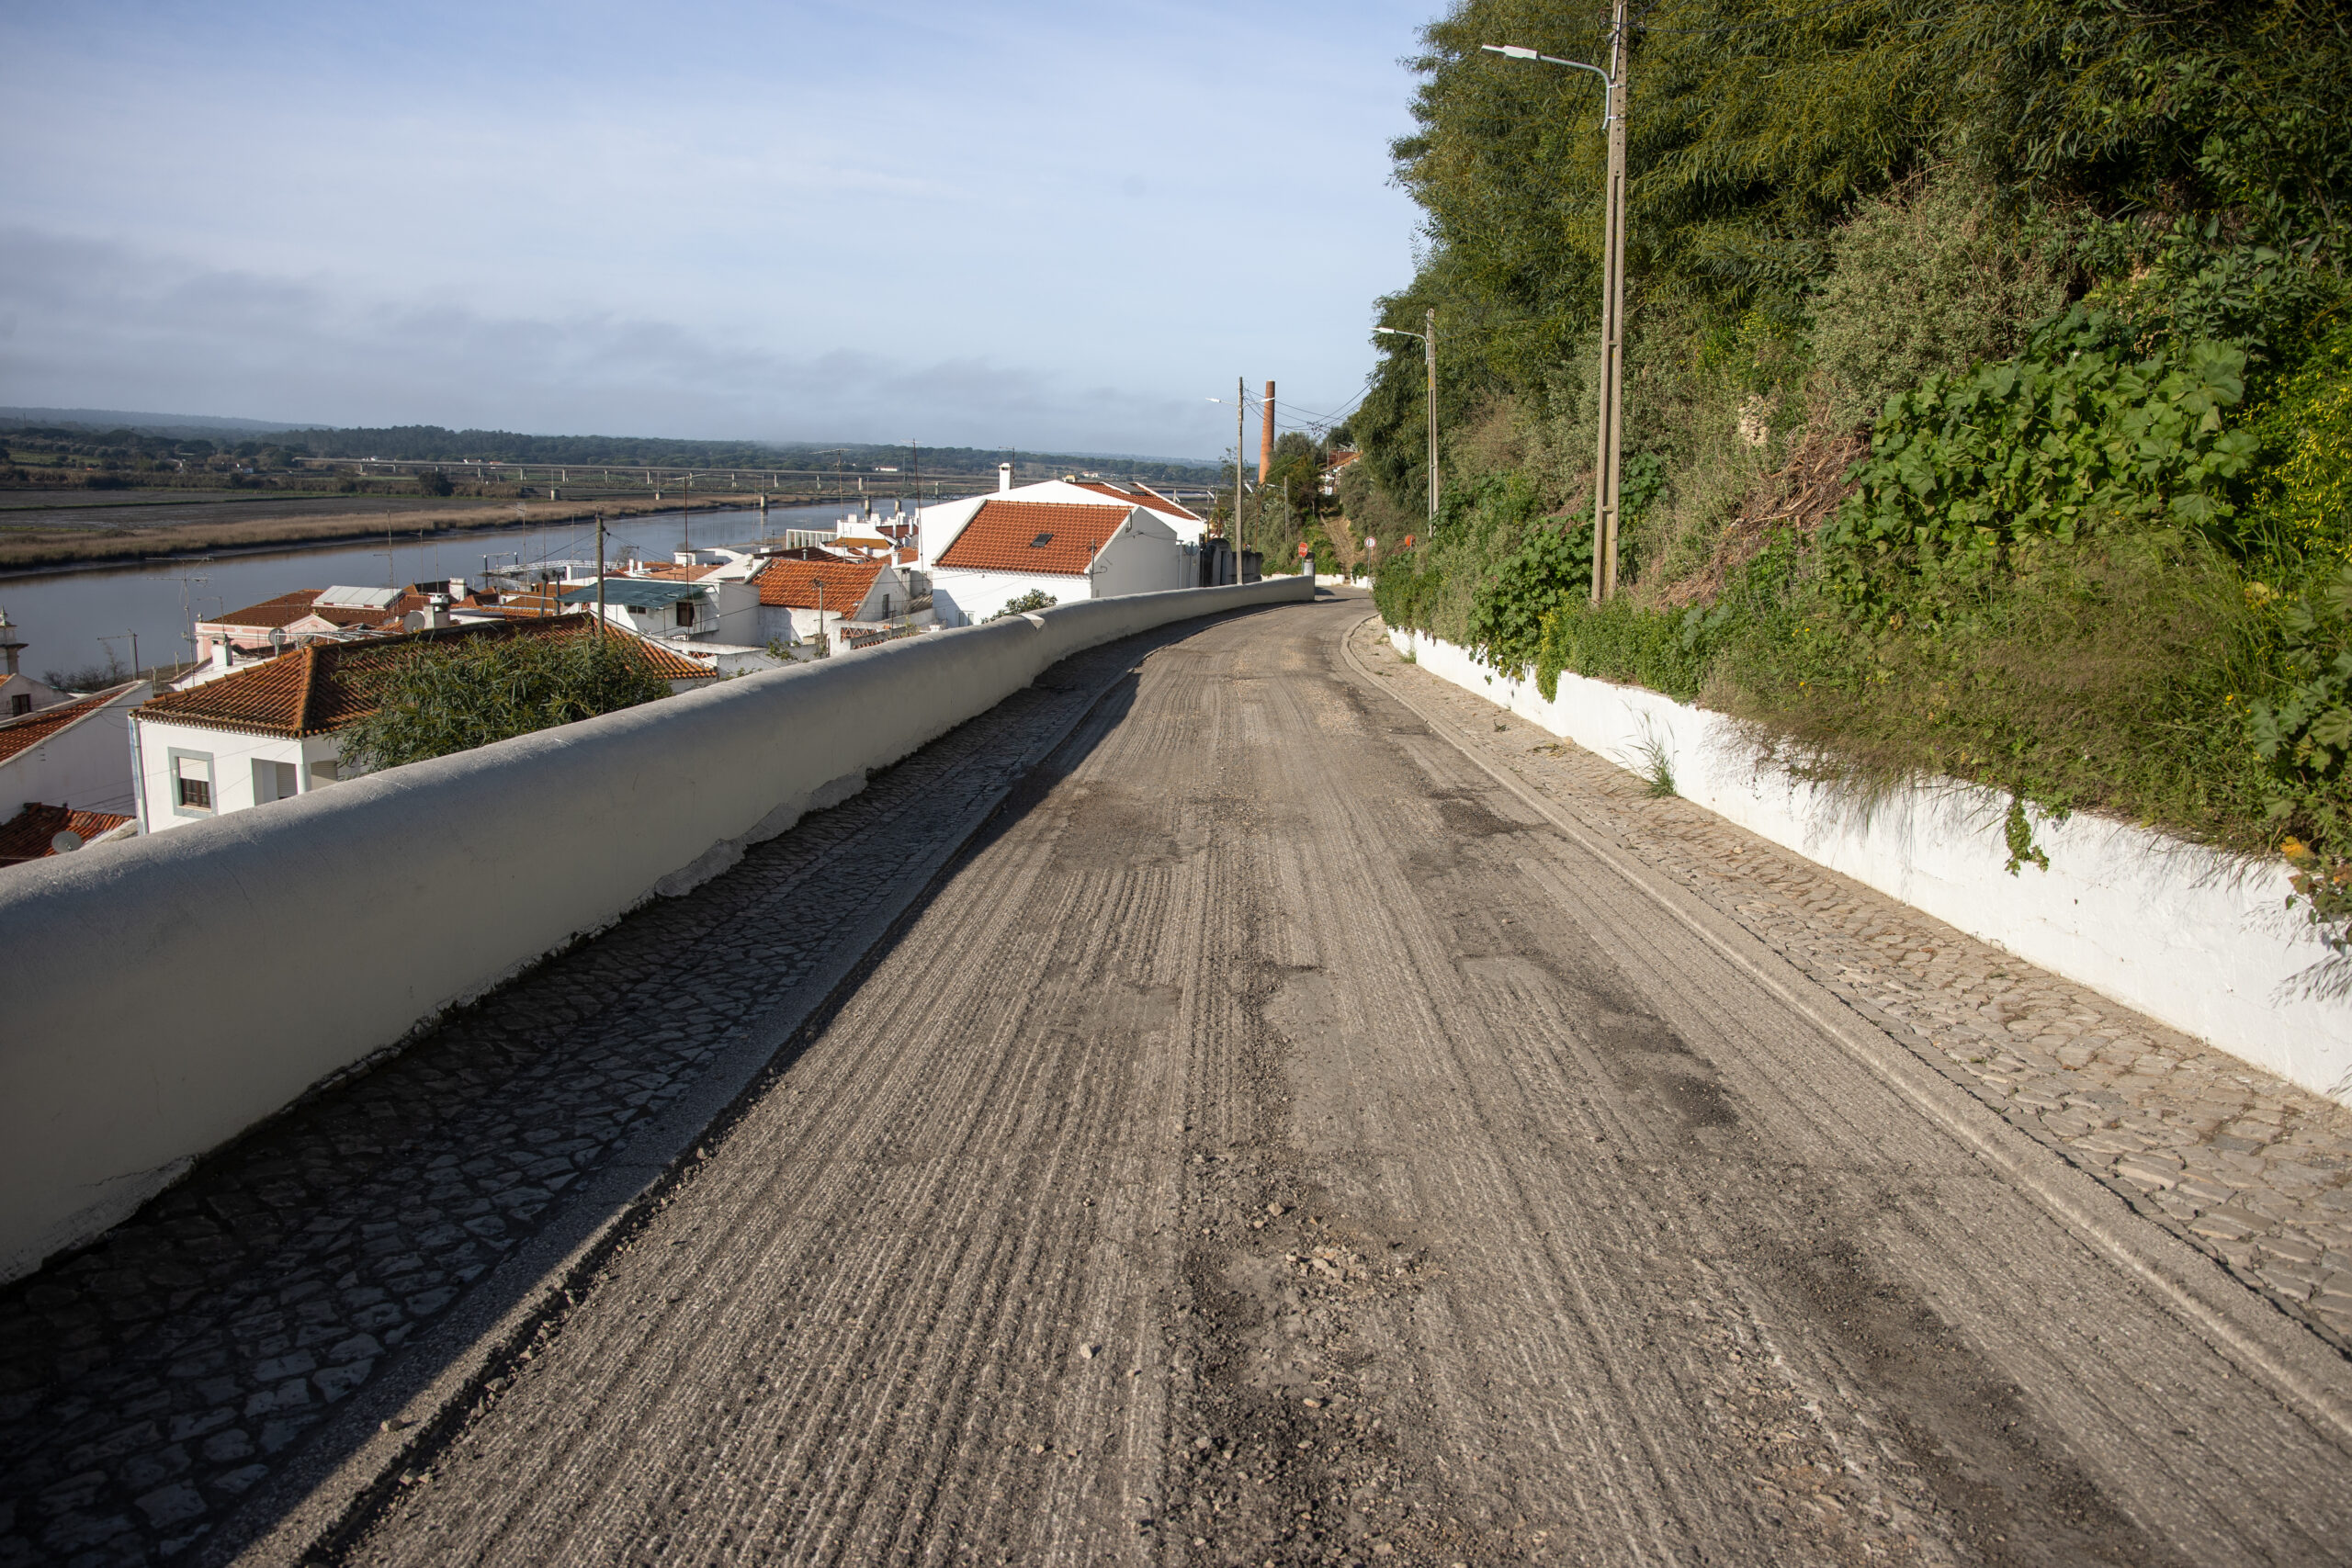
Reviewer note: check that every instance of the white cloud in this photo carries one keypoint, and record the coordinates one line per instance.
(102, 325)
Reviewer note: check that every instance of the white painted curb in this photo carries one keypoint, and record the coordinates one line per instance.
(2190, 937)
(167, 994)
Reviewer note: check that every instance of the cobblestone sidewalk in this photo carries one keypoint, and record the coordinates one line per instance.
(2246, 1167)
(148, 1382)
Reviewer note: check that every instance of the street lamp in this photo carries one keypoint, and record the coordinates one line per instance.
(1428, 356)
(1609, 464)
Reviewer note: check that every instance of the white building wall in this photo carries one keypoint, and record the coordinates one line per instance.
(1144, 557)
(962, 598)
(86, 765)
(228, 758)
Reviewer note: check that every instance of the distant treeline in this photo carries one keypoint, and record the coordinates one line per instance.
(433, 443)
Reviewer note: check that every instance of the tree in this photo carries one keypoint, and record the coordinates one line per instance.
(1035, 599)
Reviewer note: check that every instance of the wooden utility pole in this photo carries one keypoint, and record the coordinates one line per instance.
(1609, 462)
(600, 575)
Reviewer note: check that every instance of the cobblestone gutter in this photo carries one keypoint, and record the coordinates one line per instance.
(150, 1382)
(2250, 1168)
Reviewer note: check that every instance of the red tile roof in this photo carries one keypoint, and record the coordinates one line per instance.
(1138, 495)
(1058, 538)
(20, 734)
(322, 686)
(302, 604)
(791, 580)
(27, 835)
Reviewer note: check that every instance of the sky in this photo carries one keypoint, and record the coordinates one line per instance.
(1062, 227)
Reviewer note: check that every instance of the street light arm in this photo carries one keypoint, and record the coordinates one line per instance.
(1608, 83)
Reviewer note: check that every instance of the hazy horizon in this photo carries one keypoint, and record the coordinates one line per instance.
(1040, 225)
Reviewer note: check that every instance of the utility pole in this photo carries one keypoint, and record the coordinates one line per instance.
(1609, 461)
(600, 576)
(1429, 355)
(1608, 465)
(1240, 434)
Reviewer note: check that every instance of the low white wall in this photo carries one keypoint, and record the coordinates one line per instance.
(2195, 939)
(166, 994)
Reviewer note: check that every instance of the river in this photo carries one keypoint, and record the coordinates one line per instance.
(74, 623)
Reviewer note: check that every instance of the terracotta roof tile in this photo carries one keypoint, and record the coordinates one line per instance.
(27, 835)
(321, 686)
(1057, 538)
(20, 734)
(791, 581)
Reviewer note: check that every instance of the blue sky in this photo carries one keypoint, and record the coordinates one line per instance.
(1057, 226)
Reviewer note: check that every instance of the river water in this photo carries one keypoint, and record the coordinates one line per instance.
(73, 622)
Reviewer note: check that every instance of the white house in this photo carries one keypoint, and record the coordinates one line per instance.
(19, 692)
(76, 753)
(273, 729)
(1010, 547)
(801, 589)
(942, 523)
(712, 609)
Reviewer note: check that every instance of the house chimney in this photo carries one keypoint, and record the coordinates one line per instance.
(11, 646)
(1004, 478)
(1266, 442)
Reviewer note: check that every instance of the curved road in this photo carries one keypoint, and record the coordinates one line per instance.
(1276, 1141)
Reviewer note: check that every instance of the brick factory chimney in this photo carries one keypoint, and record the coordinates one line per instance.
(1266, 442)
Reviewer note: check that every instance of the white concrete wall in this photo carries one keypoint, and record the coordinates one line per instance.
(965, 598)
(1143, 557)
(86, 765)
(137, 1039)
(2195, 939)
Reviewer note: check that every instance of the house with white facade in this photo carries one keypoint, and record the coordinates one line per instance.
(707, 609)
(940, 523)
(19, 692)
(1010, 546)
(73, 754)
(272, 729)
(812, 593)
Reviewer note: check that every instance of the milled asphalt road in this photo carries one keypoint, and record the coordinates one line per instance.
(1276, 1142)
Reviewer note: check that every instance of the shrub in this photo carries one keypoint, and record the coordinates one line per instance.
(2071, 439)
(1034, 600)
(464, 692)
(1923, 285)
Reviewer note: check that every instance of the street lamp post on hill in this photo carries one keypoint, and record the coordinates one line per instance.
(1429, 359)
(1609, 465)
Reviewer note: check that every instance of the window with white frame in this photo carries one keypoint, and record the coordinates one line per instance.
(275, 781)
(191, 782)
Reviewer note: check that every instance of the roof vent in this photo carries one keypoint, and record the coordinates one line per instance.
(1041, 541)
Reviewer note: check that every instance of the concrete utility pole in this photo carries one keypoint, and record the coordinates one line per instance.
(1429, 359)
(1266, 437)
(1429, 355)
(600, 575)
(1608, 464)
(1240, 434)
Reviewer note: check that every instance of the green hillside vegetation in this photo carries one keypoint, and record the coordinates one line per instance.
(1988, 392)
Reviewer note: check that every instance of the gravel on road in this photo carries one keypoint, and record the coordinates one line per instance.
(1275, 1140)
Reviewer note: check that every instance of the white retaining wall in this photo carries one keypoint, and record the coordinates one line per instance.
(164, 994)
(2195, 939)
